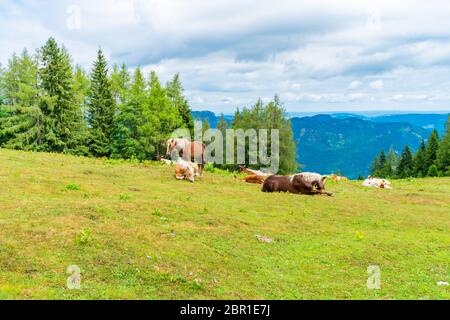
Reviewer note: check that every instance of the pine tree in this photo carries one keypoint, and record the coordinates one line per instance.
(101, 109)
(120, 84)
(3, 112)
(383, 162)
(81, 89)
(129, 139)
(162, 118)
(391, 163)
(433, 171)
(432, 149)
(62, 117)
(21, 117)
(443, 156)
(375, 167)
(406, 165)
(420, 167)
(175, 94)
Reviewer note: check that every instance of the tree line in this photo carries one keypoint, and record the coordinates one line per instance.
(432, 159)
(49, 105)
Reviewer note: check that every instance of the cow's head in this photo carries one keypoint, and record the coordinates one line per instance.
(171, 145)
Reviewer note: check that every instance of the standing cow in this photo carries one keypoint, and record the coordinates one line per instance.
(191, 151)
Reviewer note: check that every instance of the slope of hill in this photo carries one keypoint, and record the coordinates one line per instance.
(137, 233)
(427, 121)
(327, 144)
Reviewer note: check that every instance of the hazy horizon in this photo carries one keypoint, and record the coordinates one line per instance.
(356, 112)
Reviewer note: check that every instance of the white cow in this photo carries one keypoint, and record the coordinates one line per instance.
(377, 183)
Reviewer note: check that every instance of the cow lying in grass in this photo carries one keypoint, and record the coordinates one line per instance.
(337, 178)
(377, 183)
(302, 183)
(254, 176)
(186, 170)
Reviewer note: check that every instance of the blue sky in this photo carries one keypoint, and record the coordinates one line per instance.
(317, 55)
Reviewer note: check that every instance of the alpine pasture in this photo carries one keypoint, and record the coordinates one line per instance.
(137, 233)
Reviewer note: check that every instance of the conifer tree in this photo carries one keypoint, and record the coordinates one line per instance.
(129, 139)
(21, 117)
(443, 156)
(120, 84)
(62, 117)
(432, 149)
(406, 165)
(3, 113)
(81, 89)
(175, 94)
(420, 167)
(375, 166)
(391, 163)
(383, 162)
(433, 171)
(101, 109)
(162, 118)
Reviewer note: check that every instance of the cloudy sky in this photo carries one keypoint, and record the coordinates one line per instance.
(317, 55)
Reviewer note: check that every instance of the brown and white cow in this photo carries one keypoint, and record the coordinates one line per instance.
(303, 183)
(189, 151)
(186, 170)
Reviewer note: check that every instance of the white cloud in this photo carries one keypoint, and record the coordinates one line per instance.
(354, 85)
(378, 84)
(231, 52)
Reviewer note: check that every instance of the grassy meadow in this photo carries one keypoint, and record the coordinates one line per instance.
(137, 233)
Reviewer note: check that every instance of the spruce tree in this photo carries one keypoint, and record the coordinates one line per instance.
(375, 166)
(62, 117)
(20, 114)
(175, 94)
(420, 167)
(383, 162)
(391, 163)
(406, 165)
(81, 88)
(101, 109)
(129, 138)
(432, 149)
(162, 117)
(433, 171)
(443, 156)
(120, 84)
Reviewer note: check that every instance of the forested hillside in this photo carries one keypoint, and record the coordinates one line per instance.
(327, 144)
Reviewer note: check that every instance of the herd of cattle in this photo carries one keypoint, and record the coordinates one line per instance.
(187, 152)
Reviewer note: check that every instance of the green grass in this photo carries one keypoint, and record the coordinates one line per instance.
(137, 233)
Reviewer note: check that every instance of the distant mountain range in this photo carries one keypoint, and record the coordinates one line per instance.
(348, 142)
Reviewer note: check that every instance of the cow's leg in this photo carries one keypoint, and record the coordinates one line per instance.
(324, 193)
(201, 168)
